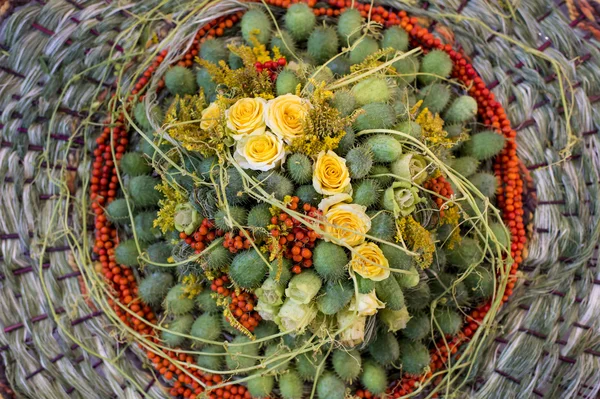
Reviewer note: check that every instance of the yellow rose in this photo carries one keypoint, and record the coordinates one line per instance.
(260, 151)
(210, 117)
(345, 223)
(285, 115)
(368, 261)
(246, 116)
(330, 174)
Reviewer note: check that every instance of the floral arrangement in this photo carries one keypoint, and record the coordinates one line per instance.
(310, 208)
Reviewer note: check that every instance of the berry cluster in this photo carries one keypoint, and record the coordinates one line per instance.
(441, 186)
(205, 234)
(241, 305)
(236, 242)
(272, 67)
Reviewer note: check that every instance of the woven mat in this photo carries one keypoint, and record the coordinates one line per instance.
(548, 341)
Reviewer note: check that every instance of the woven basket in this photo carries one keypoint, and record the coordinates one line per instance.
(61, 56)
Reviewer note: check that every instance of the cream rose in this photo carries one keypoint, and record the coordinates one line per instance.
(263, 151)
(246, 116)
(368, 261)
(346, 223)
(330, 174)
(352, 328)
(285, 116)
(366, 304)
(211, 116)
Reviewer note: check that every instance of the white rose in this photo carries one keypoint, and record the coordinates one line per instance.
(366, 304)
(352, 327)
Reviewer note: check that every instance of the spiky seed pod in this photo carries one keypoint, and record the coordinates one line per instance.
(383, 226)
(255, 23)
(134, 164)
(366, 47)
(308, 194)
(322, 44)
(374, 377)
(259, 216)
(367, 193)
(144, 227)
(415, 357)
(177, 302)
(228, 328)
(407, 69)
(180, 81)
(449, 320)
(147, 148)
(436, 65)
(276, 184)
(206, 302)
(218, 258)
(389, 292)
(154, 288)
(241, 356)
(180, 325)
(207, 327)
(381, 174)
(501, 233)
(359, 161)
(234, 61)
(347, 364)
(385, 148)
(435, 97)
(291, 385)
(141, 117)
(229, 221)
(439, 259)
(365, 285)
(261, 386)
(307, 364)
(371, 90)
(484, 145)
(462, 109)
(209, 358)
(285, 265)
(408, 280)
(265, 328)
(350, 26)
(375, 116)
(285, 43)
(159, 252)
(454, 130)
(466, 254)
(214, 51)
(418, 327)
(335, 297)
(395, 38)
(276, 350)
(127, 253)
(418, 298)
(409, 127)
(465, 166)
(487, 183)
(397, 258)
(206, 83)
(142, 192)
(286, 83)
(234, 190)
(329, 386)
(330, 261)
(446, 285)
(207, 167)
(346, 143)
(480, 283)
(248, 269)
(299, 167)
(472, 211)
(340, 66)
(344, 102)
(300, 20)
(117, 211)
(385, 349)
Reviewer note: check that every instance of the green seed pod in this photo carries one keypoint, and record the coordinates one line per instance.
(229, 221)
(141, 117)
(177, 302)
(454, 130)
(366, 47)
(365, 285)
(322, 44)
(371, 90)
(502, 235)
(117, 211)
(218, 258)
(336, 296)
(397, 258)
(484, 145)
(206, 83)
(396, 38)
(466, 254)
(465, 166)
(414, 358)
(300, 20)
(285, 265)
(285, 43)
(212, 357)
(180, 325)
(159, 252)
(463, 109)
(418, 327)
(408, 280)
(307, 364)
(321, 75)
(214, 51)
(383, 226)
(299, 168)
(385, 148)
(286, 83)
(207, 327)
(446, 286)
(407, 69)
(142, 192)
(374, 377)
(367, 193)
(381, 174)
(255, 23)
(259, 216)
(261, 386)
(450, 321)
(235, 62)
(308, 195)
(248, 269)
(350, 26)
(126, 253)
(472, 211)
(419, 297)
(227, 327)
(487, 183)
(340, 66)
(435, 65)
(346, 364)
(385, 349)
(146, 147)
(206, 302)
(241, 356)
(144, 227)
(329, 386)
(375, 116)
(276, 184)
(435, 97)
(480, 283)
(180, 81)
(389, 292)
(403, 103)
(134, 164)
(330, 261)
(344, 102)
(359, 161)
(439, 258)
(273, 351)
(346, 143)
(291, 385)
(265, 328)
(154, 288)
(234, 190)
